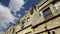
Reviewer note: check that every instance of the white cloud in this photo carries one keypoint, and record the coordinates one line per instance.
(16, 5)
(26, 11)
(19, 15)
(5, 17)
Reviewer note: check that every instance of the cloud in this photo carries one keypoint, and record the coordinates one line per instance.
(5, 17)
(5, 13)
(19, 15)
(26, 11)
(16, 5)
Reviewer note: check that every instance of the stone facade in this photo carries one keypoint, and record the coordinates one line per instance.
(42, 18)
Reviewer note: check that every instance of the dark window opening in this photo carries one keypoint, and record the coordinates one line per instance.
(31, 11)
(53, 32)
(49, 33)
(47, 14)
(46, 28)
(28, 18)
(22, 25)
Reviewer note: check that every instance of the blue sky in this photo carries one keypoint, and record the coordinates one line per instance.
(15, 10)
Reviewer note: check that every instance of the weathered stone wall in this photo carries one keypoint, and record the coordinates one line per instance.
(36, 23)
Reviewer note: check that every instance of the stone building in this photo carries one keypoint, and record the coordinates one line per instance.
(42, 18)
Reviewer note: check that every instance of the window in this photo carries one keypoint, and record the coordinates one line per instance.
(53, 32)
(31, 11)
(22, 25)
(28, 17)
(47, 14)
(49, 32)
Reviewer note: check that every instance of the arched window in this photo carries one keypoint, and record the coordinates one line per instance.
(49, 32)
(53, 32)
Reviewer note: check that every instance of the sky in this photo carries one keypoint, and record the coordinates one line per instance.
(12, 10)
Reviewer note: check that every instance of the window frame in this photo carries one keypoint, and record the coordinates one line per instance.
(45, 14)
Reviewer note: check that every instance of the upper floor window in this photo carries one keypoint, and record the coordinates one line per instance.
(47, 14)
(31, 11)
(22, 25)
(53, 32)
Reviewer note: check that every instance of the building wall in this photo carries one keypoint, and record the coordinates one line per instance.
(43, 18)
(28, 29)
(50, 25)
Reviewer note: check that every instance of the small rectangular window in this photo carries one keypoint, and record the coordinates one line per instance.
(22, 25)
(31, 11)
(47, 14)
